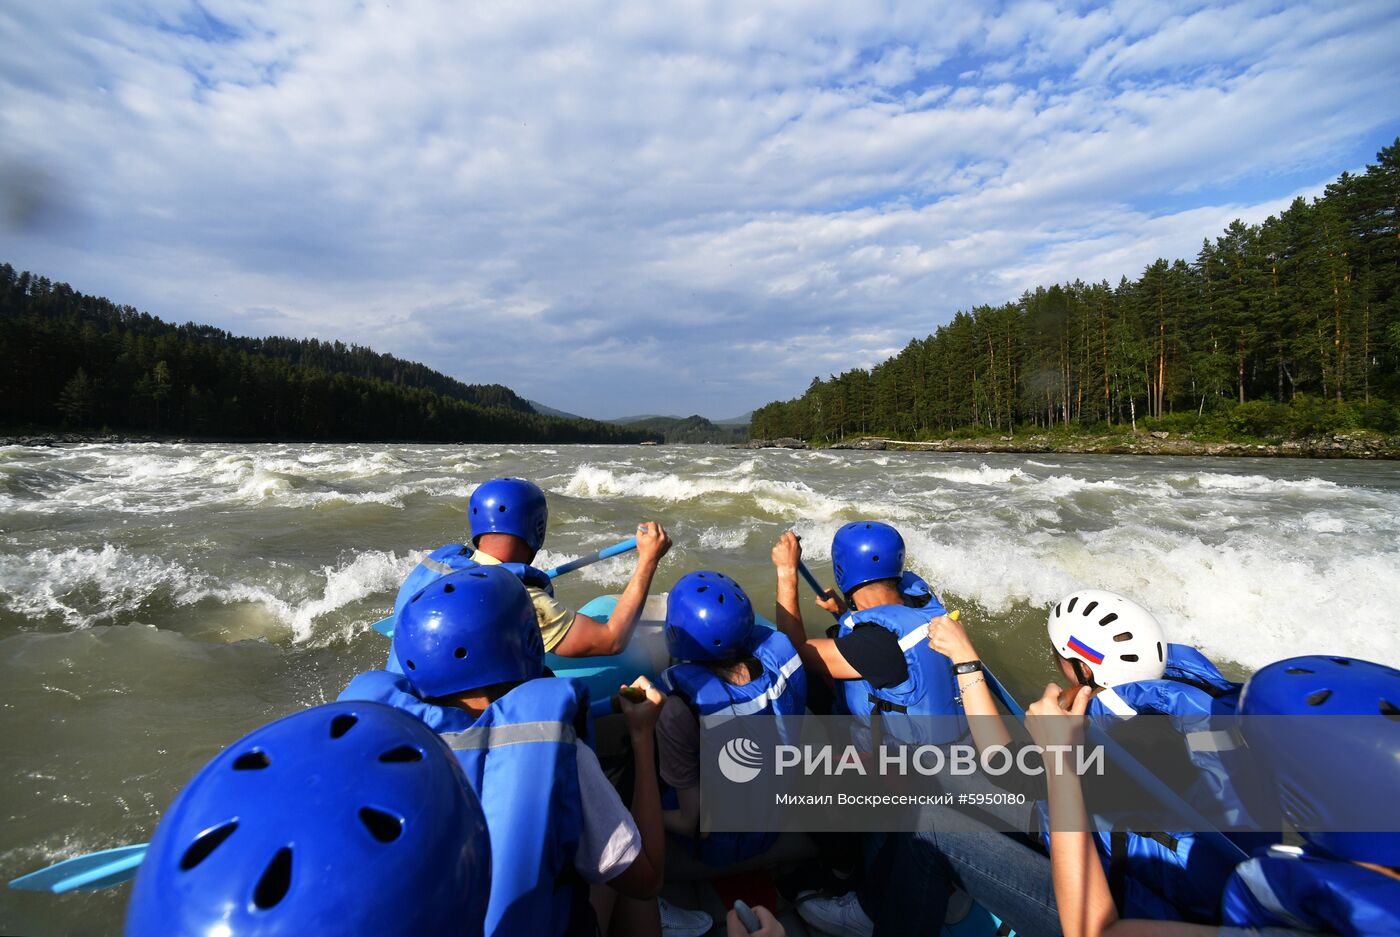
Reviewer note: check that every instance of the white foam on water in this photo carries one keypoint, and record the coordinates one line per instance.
(723, 538)
(982, 475)
(85, 586)
(1256, 484)
(363, 575)
(783, 498)
(1251, 599)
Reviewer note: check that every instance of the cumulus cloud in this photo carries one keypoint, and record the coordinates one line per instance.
(616, 207)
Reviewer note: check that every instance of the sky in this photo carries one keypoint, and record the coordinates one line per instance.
(635, 207)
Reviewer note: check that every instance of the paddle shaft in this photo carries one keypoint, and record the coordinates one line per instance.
(816, 586)
(623, 546)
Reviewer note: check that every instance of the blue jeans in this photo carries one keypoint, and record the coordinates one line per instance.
(906, 891)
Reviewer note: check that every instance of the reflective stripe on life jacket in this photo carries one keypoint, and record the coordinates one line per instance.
(779, 691)
(1287, 887)
(520, 756)
(1178, 874)
(929, 690)
(1200, 703)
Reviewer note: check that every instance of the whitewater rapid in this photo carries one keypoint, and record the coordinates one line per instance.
(157, 601)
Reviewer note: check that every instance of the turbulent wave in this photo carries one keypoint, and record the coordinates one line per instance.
(780, 498)
(85, 587)
(1247, 562)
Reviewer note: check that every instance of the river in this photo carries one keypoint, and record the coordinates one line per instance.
(157, 600)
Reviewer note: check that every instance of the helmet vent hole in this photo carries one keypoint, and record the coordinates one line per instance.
(1089, 609)
(342, 724)
(477, 575)
(1130, 658)
(401, 754)
(1319, 697)
(251, 761)
(702, 588)
(207, 842)
(1123, 636)
(1057, 609)
(1072, 600)
(411, 665)
(1108, 619)
(874, 559)
(1297, 670)
(459, 653)
(449, 588)
(718, 642)
(276, 880)
(501, 508)
(1342, 661)
(383, 826)
(1389, 709)
(720, 598)
(1160, 656)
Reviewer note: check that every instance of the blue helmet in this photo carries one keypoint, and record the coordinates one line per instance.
(349, 818)
(509, 506)
(1329, 769)
(469, 629)
(708, 617)
(866, 551)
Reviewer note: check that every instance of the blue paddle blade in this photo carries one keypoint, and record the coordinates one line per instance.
(385, 627)
(91, 872)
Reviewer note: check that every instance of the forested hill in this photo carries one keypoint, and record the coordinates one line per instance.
(690, 429)
(83, 362)
(1291, 327)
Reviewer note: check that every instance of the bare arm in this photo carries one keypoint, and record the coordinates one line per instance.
(819, 655)
(1081, 890)
(947, 636)
(646, 874)
(684, 821)
(588, 637)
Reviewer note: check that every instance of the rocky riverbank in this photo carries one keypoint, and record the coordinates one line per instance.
(1342, 446)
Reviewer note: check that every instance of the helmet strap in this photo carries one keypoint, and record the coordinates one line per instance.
(1082, 672)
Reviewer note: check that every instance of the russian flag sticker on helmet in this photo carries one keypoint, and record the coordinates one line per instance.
(1085, 651)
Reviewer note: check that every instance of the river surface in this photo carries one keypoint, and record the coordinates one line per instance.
(158, 601)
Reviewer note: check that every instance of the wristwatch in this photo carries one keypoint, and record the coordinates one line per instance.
(971, 666)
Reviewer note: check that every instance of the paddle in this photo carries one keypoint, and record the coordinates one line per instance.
(386, 626)
(816, 586)
(86, 873)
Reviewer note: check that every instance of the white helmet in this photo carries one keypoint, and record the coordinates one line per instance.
(1119, 639)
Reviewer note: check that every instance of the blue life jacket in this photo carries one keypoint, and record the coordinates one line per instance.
(1288, 887)
(1200, 703)
(1177, 875)
(908, 711)
(451, 558)
(781, 691)
(520, 757)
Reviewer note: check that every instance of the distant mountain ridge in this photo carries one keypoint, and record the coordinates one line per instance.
(690, 429)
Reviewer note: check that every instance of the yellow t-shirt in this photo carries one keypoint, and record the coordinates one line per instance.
(554, 616)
